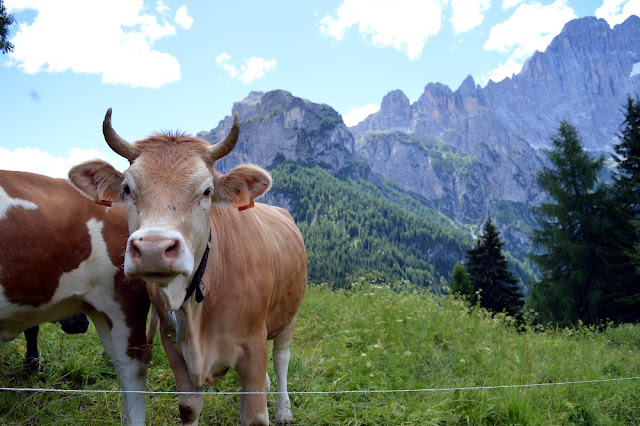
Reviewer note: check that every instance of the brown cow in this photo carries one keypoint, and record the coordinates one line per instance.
(224, 274)
(60, 254)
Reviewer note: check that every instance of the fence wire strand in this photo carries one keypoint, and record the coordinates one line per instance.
(336, 392)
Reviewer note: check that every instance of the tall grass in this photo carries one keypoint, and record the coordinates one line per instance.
(369, 338)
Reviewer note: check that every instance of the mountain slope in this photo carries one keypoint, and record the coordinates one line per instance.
(352, 229)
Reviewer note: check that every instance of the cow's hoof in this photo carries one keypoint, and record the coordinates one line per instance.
(283, 412)
(34, 365)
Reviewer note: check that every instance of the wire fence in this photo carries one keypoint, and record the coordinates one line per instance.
(335, 392)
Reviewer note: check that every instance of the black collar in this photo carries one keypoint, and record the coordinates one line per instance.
(197, 277)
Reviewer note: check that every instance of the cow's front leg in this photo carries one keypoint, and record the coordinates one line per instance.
(252, 371)
(190, 405)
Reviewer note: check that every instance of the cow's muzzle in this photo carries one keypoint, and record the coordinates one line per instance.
(157, 256)
(175, 326)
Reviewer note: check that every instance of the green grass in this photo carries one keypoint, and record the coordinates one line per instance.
(368, 338)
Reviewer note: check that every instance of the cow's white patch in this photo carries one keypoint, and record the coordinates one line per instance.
(7, 202)
(93, 279)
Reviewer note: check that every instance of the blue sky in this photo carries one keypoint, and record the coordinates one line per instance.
(180, 65)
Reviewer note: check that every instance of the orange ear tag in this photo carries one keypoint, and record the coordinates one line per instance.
(243, 201)
(108, 197)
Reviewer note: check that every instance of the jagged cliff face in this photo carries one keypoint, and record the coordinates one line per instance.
(451, 149)
(584, 76)
(277, 125)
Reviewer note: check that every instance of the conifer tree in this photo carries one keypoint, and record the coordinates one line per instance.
(490, 275)
(575, 254)
(627, 158)
(460, 283)
(626, 190)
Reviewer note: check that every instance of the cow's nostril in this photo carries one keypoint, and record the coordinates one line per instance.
(135, 250)
(173, 248)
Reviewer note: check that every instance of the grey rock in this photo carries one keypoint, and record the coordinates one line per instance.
(277, 125)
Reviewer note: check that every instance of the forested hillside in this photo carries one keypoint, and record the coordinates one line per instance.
(352, 228)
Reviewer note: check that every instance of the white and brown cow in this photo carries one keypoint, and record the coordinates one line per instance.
(61, 254)
(223, 273)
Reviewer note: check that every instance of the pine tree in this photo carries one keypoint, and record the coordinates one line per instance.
(627, 158)
(575, 254)
(626, 190)
(460, 283)
(490, 275)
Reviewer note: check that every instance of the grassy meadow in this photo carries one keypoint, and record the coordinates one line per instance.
(367, 338)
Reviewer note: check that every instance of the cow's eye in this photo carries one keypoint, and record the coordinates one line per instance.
(207, 192)
(126, 189)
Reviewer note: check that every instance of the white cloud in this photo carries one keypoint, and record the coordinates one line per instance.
(36, 161)
(357, 114)
(468, 14)
(113, 38)
(506, 69)
(162, 8)
(182, 18)
(531, 27)
(508, 4)
(405, 25)
(253, 68)
(617, 11)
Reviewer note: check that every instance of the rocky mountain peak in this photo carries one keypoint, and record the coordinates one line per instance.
(277, 125)
(395, 100)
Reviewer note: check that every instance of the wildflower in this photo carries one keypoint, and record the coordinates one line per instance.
(408, 353)
(363, 354)
(376, 346)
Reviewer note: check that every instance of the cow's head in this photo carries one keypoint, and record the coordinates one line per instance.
(168, 191)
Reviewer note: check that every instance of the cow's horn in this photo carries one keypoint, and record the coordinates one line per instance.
(116, 143)
(225, 146)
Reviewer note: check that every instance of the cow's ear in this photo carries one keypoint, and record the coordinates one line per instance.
(98, 180)
(243, 181)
